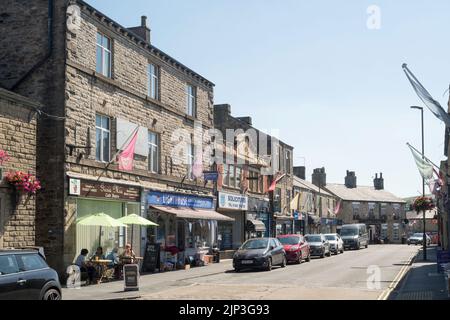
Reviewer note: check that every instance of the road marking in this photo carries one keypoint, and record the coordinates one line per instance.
(385, 294)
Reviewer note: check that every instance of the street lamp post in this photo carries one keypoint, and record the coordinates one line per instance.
(424, 239)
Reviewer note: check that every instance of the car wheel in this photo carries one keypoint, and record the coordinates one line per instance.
(284, 263)
(308, 258)
(367, 245)
(269, 265)
(329, 253)
(299, 259)
(358, 246)
(52, 294)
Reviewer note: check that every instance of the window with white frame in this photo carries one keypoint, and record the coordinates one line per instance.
(190, 161)
(190, 100)
(226, 175)
(102, 138)
(153, 83)
(238, 177)
(103, 55)
(153, 152)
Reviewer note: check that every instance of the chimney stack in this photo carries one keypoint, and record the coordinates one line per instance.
(142, 31)
(350, 179)
(378, 183)
(319, 177)
(300, 172)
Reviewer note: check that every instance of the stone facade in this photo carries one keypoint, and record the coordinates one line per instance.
(18, 140)
(66, 83)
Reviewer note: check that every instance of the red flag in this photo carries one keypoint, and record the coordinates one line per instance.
(275, 181)
(338, 207)
(125, 158)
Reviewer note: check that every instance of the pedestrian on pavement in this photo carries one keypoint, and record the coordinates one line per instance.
(85, 265)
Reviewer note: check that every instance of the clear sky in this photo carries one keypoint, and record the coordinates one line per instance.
(313, 69)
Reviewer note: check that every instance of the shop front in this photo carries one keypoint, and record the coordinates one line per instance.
(328, 225)
(314, 223)
(187, 227)
(300, 222)
(87, 197)
(257, 218)
(283, 225)
(232, 233)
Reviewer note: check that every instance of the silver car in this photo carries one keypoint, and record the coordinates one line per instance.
(318, 245)
(336, 243)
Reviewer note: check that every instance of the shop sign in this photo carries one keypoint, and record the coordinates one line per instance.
(111, 191)
(131, 277)
(233, 201)
(158, 198)
(74, 187)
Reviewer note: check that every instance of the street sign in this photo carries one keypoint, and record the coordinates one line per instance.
(131, 277)
(210, 175)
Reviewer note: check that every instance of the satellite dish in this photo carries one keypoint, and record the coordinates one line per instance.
(73, 18)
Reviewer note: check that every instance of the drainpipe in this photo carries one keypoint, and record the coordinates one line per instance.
(49, 51)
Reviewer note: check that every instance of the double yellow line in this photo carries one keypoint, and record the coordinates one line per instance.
(385, 294)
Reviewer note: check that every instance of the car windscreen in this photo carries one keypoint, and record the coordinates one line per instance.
(330, 237)
(289, 240)
(255, 244)
(349, 231)
(417, 235)
(313, 238)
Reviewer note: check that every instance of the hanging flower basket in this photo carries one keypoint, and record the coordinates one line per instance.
(423, 204)
(24, 183)
(3, 157)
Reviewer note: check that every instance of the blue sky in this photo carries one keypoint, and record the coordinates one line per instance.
(313, 70)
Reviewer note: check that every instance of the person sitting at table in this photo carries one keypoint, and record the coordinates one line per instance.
(128, 255)
(85, 265)
(98, 254)
(113, 256)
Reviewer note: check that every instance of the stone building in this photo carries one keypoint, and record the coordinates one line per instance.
(17, 153)
(315, 206)
(380, 210)
(107, 83)
(271, 207)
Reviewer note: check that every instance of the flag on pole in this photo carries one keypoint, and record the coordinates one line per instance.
(197, 168)
(275, 181)
(125, 158)
(426, 97)
(338, 207)
(425, 167)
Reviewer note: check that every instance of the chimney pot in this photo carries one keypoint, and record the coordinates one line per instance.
(144, 21)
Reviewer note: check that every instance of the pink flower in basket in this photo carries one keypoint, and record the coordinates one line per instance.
(23, 182)
(3, 156)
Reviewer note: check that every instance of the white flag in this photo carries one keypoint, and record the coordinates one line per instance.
(426, 97)
(425, 168)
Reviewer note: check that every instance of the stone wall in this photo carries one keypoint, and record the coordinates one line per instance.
(18, 139)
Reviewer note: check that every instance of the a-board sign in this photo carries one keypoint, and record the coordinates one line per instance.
(131, 277)
(151, 257)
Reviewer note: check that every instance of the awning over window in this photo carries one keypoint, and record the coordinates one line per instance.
(256, 225)
(192, 213)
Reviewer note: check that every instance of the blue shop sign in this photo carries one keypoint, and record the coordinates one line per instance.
(158, 198)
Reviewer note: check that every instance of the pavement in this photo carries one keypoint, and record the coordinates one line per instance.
(366, 274)
(422, 281)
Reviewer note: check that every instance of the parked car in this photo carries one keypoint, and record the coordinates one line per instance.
(24, 275)
(296, 247)
(318, 244)
(336, 243)
(354, 236)
(417, 238)
(262, 253)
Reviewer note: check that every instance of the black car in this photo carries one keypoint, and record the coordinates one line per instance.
(261, 253)
(24, 275)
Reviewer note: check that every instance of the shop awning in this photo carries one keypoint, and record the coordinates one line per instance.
(256, 225)
(192, 213)
(280, 217)
(313, 219)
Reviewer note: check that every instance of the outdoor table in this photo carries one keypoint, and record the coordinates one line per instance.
(102, 265)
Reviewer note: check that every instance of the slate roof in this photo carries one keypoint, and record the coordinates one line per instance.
(308, 185)
(362, 193)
